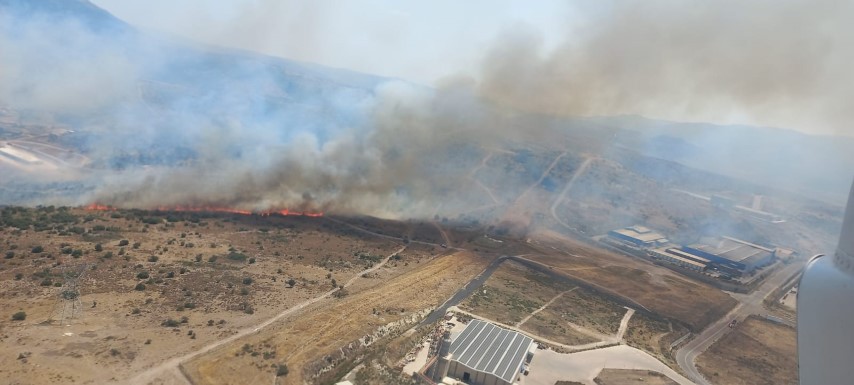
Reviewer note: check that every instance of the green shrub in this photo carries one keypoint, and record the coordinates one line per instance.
(170, 323)
(19, 316)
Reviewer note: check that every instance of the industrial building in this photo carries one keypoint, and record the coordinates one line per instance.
(680, 258)
(731, 255)
(638, 236)
(484, 354)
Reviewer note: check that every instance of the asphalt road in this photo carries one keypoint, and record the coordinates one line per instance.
(463, 292)
(749, 304)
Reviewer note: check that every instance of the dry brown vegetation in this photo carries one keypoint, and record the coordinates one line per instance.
(550, 325)
(654, 336)
(512, 293)
(629, 377)
(756, 352)
(201, 277)
(658, 289)
(304, 340)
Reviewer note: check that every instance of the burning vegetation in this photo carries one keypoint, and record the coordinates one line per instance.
(214, 209)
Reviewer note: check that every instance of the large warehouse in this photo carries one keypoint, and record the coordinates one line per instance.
(681, 258)
(731, 254)
(485, 354)
(638, 236)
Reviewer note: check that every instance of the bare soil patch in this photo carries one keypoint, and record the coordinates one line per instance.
(757, 352)
(629, 377)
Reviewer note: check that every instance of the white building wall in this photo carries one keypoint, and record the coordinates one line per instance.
(457, 371)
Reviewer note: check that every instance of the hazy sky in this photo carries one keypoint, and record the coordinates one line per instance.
(782, 63)
(421, 41)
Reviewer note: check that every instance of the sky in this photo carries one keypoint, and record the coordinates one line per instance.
(422, 42)
(777, 63)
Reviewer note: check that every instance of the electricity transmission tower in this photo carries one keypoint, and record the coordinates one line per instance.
(68, 305)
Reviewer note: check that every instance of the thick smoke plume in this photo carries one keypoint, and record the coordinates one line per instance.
(171, 124)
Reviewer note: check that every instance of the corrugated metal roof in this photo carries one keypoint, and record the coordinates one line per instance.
(643, 237)
(487, 348)
(735, 250)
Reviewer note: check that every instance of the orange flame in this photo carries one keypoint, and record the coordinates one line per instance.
(215, 209)
(99, 207)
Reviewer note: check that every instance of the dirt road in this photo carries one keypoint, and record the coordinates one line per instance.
(171, 366)
(581, 169)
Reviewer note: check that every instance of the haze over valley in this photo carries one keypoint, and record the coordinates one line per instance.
(178, 211)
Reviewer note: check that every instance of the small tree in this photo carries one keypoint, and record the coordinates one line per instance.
(124, 242)
(282, 370)
(19, 316)
(247, 281)
(139, 287)
(292, 282)
(98, 247)
(38, 250)
(153, 258)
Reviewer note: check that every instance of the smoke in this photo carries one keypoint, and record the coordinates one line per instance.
(395, 163)
(171, 124)
(767, 62)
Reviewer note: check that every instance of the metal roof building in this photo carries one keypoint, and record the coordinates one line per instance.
(681, 258)
(639, 236)
(732, 253)
(485, 354)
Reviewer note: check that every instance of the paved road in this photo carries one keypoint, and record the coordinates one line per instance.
(463, 292)
(749, 304)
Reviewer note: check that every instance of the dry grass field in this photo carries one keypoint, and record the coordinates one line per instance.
(158, 285)
(630, 377)
(544, 306)
(658, 289)
(756, 352)
(313, 338)
(549, 324)
(512, 293)
(654, 336)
